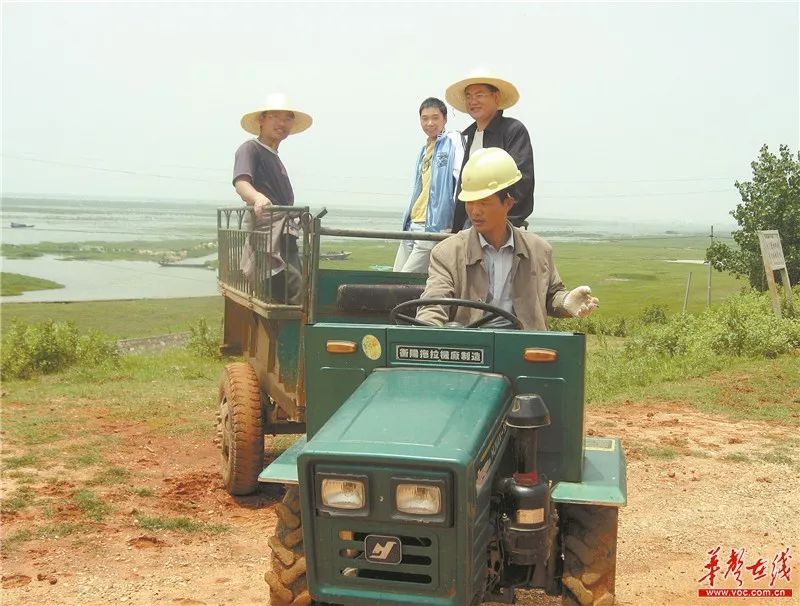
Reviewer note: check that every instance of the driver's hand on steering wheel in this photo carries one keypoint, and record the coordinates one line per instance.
(580, 303)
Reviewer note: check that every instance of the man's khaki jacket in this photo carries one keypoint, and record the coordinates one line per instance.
(458, 270)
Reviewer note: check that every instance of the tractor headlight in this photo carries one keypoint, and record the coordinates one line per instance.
(419, 499)
(341, 493)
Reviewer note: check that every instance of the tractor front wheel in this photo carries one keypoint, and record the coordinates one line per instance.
(589, 539)
(287, 575)
(239, 428)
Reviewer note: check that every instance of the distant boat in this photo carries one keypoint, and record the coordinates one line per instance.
(195, 265)
(334, 256)
(13, 224)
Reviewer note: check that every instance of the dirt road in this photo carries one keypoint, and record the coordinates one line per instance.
(695, 482)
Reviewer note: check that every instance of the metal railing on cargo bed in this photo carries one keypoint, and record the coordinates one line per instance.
(264, 264)
(272, 266)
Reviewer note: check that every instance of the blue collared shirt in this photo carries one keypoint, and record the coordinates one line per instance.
(498, 266)
(446, 160)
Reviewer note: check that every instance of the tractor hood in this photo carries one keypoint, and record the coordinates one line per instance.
(418, 413)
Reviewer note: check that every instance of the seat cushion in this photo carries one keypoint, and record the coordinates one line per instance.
(375, 297)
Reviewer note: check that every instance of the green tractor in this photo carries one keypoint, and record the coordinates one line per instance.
(437, 465)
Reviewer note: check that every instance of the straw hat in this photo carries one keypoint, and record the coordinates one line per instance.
(275, 102)
(509, 94)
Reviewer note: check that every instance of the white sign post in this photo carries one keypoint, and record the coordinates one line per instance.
(772, 256)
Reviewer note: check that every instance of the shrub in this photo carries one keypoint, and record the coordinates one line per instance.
(592, 325)
(794, 310)
(653, 314)
(95, 349)
(49, 346)
(741, 326)
(203, 341)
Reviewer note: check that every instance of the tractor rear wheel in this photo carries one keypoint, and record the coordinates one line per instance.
(589, 539)
(239, 428)
(287, 575)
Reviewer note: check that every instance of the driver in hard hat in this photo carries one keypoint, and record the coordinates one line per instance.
(494, 262)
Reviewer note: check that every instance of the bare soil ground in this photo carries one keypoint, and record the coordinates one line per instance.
(695, 482)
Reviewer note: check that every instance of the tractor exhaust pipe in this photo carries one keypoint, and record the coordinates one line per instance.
(528, 414)
(527, 494)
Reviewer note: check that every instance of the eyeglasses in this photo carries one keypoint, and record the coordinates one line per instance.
(280, 116)
(477, 96)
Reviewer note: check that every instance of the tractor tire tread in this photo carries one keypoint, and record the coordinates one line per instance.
(590, 549)
(240, 389)
(287, 575)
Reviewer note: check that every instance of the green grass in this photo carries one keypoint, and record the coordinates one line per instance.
(60, 529)
(136, 250)
(86, 459)
(758, 390)
(27, 460)
(110, 476)
(780, 459)
(705, 384)
(15, 284)
(629, 275)
(34, 429)
(86, 453)
(659, 452)
(49, 531)
(21, 498)
(22, 535)
(736, 457)
(171, 392)
(626, 275)
(181, 524)
(22, 477)
(283, 442)
(91, 505)
(780, 456)
(121, 319)
(143, 492)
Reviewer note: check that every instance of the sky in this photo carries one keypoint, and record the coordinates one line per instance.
(637, 111)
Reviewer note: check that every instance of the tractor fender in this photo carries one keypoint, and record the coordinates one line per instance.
(604, 479)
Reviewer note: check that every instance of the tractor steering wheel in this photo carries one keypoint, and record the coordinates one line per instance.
(493, 312)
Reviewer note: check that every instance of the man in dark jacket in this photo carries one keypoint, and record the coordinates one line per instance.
(484, 97)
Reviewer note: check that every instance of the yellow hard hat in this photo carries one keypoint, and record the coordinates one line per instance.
(486, 172)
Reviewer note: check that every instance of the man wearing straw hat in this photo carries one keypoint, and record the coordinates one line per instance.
(484, 97)
(261, 180)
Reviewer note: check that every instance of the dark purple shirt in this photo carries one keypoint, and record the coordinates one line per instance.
(265, 171)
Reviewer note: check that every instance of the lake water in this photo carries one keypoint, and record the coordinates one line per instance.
(107, 280)
(86, 220)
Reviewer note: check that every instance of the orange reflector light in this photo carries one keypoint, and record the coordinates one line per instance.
(535, 354)
(341, 347)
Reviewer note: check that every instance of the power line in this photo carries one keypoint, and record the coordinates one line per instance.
(395, 194)
(641, 195)
(108, 170)
(653, 237)
(671, 180)
(404, 179)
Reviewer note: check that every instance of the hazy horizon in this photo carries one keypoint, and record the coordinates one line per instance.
(649, 225)
(637, 112)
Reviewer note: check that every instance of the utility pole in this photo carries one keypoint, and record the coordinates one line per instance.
(686, 296)
(708, 295)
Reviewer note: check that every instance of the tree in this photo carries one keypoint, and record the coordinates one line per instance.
(770, 201)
